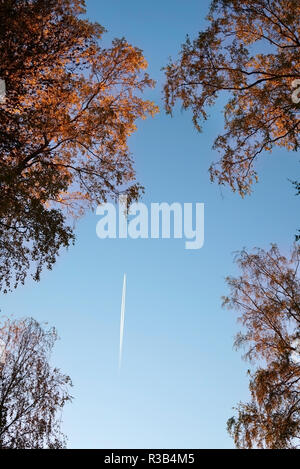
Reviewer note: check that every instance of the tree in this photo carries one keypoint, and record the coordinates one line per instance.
(250, 50)
(297, 187)
(32, 393)
(267, 294)
(69, 110)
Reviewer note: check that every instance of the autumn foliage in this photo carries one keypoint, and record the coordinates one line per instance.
(267, 296)
(250, 51)
(70, 107)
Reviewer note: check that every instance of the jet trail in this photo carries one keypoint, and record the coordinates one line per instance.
(122, 320)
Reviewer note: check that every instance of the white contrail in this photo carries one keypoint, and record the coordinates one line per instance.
(122, 320)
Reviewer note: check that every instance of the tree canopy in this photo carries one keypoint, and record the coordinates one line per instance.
(70, 107)
(250, 51)
(267, 296)
(32, 393)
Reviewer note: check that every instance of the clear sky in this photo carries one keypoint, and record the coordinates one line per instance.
(180, 376)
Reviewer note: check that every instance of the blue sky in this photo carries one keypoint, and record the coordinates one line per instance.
(180, 376)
